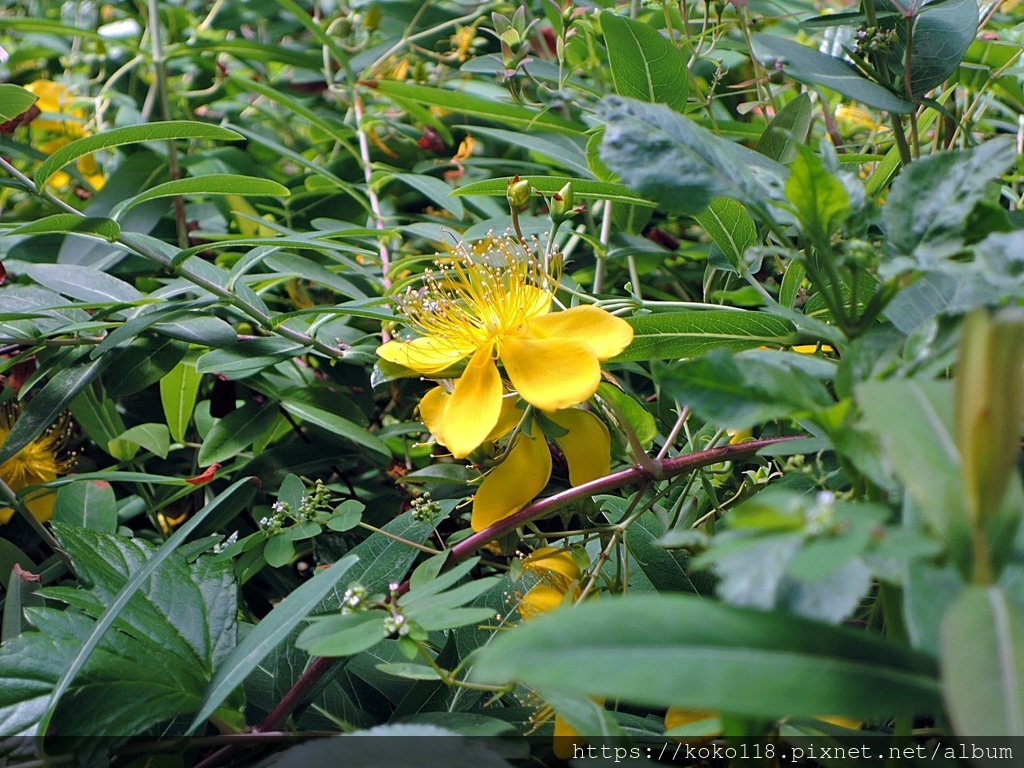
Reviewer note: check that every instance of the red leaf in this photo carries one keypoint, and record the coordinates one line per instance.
(206, 477)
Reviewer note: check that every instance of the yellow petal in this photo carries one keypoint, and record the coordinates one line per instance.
(540, 599)
(514, 483)
(474, 406)
(587, 445)
(427, 355)
(509, 417)
(551, 374)
(553, 559)
(41, 506)
(537, 301)
(606, 334)
(432, 408)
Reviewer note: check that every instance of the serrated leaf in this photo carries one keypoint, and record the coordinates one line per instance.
(692, 333)
(644, 64)
(266, 636)
(134, 134)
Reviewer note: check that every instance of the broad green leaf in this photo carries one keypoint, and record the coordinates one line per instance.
(913, 423)
(739, 392)
(792, 281)
(289, 263)
(943, 31)
(179, 389)
(644, 64)
(107, 229)
(667, 571)
(982, 655)
(932, 200)
(143, 363)
(559, 149)
(338, 425)
(82, 283)
(248, 356)
(730, 227)
(45, 408)
(214, 184)
(96, 635)
(89, 505)
(489, 109)
(640, 419)
(14, 101)
(819, 198)
(434, 189)
(344, 635)
(22, 586)
(153, 437)
(811, 67)
(134, 134)
(690, 652)
(98, 416)
(787, 130)
(671, 159)
(266, 636)
(548, 185)
(691, 333)
(236, 432)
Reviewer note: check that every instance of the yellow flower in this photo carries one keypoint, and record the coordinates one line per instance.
(38, 462)
(54, 102)
(559, 577)
(497, 307)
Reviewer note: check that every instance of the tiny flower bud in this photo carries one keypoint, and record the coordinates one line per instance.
(518, 192)
(562, 203)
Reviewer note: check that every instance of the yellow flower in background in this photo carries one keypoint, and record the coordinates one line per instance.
(524, 472)
(59, 117)
(496, 306)
(559, 577)
(38, 462)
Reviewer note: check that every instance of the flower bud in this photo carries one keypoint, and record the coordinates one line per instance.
(562, 203)
(518, 192)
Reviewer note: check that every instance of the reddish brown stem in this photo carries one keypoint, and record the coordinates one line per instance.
(676, 465)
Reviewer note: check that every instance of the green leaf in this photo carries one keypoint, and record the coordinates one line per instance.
(667, 571)
(89, 505)
(932, 199)
(22, 588)
(689, 652)
(248, 356)
(670, 159)
(94, 638)
(266, 636)
(644, 64)
(943, 31)
(738, 392)
(982, 655)
(787, 130)
(343, 635)
(134, 134)
(279, 551)
(143, 363)
(214, 184)
(548, 185)
(179, 389)
(640, 419)
(913, 422)
(811, 67)
(338, 425)
(82, 283)
(730, 227)
(106, 229)
(44, 409)
(819, 198)
(153, 437)
(235, 432)
(490, 109)
(694, 332)
(14, 101)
